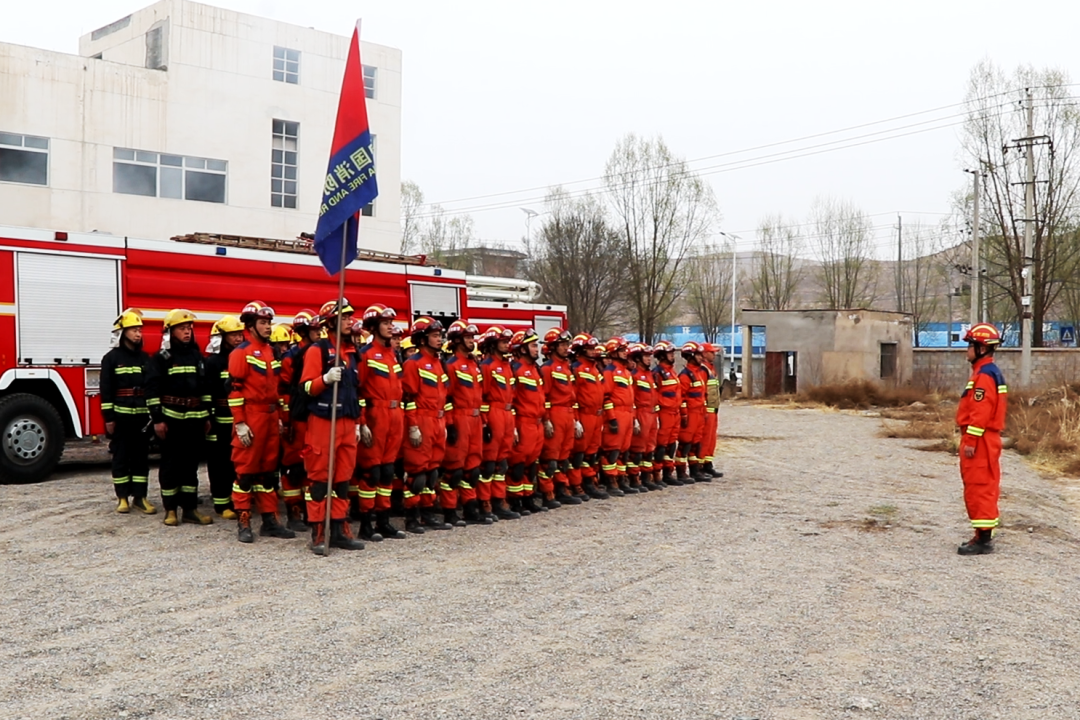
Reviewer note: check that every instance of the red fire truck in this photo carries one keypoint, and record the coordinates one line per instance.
(61, 292)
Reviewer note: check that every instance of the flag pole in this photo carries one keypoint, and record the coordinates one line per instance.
(334, 394)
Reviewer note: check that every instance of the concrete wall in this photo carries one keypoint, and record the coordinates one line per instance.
(836, 345)
(216, 99)
(948, 369)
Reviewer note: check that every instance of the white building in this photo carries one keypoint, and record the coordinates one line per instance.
(183, 118)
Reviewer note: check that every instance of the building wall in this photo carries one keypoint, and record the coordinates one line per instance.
(216, 99)
(948, 369)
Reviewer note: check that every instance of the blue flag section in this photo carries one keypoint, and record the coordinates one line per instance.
(350, 176)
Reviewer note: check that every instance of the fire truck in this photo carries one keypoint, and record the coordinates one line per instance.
(60, 293)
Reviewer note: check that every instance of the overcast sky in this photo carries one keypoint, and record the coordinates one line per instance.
(504, 96)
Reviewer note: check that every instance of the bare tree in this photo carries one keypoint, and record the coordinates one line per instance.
(412, 204)
(663, 210)
(843, 239)
(707, 278)
(921, 275)
(576, 259)
(995, 121)
(777, 271)
(444, 238)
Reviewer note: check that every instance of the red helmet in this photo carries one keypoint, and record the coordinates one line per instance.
(254, 310)
(555, 335)
(376, 314)
(983, 334)
(640, 349)
(330, 309)
(615, 344)
(496, 333)
(424, 325)
(522, 338)
(396, 331)
(305, 319)
(459, 329)
(663, 347)
(356, 328)
(690, 348)
(582, 342)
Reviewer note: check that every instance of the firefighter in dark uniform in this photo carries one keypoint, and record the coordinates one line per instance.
(123, 405)
(225, 336)
(178, 401)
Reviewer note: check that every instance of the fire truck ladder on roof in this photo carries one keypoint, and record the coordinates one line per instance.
(301, 246)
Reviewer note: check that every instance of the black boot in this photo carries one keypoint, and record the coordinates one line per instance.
(432, 521)
(533, 503)
(367, 531)
(412, 521)
(564, 497)
(593, 491)
(503, 511)
(648, 481)
(453, 518)
(625, 486)
(981, 544)
(613, 486)
(709, 469)
(669, 479)
(385, 528)
(341, 536)
(272, 528)
(684, 476)
(296, 518)
(243, 527)
(474, 516)
(318, 541)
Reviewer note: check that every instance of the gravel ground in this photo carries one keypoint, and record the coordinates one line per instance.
(818, 580)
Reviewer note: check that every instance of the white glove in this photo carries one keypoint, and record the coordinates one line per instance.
(415, 438)
(363, 435)
(637, 427)
(579, 430)
(332, 376)
(549, 429)
(517, 436)
(244, 433)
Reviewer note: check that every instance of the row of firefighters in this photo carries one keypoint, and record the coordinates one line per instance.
(468, 428)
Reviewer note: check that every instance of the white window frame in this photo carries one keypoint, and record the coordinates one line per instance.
(169, 162)
(371, 90)
(278, 164)
(286, 65)
(7, 140)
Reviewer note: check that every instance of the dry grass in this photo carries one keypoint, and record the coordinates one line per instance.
(863, 395)
(1046, 427)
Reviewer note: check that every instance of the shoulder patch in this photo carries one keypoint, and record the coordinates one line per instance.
(980, 393)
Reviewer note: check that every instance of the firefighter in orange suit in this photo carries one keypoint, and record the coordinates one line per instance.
(293, 476)
(669, 400)
(619, 417)
(461, 484)
(382, 423)
(178, 400)
(317, 381)
(561, 425)
(589, 391)
(981, 417)
(712, 412)
(424, 393)
(643, 444)
(693, 421)
(497, 413)
(528, 422)
(258, 423)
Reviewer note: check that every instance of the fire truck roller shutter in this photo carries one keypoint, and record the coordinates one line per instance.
(546, 322)
(438, 301)
(66, 306)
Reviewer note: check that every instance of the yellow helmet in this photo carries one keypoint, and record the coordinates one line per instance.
(132, 317)
(281, 333)
(177, 317)
(227, 324)
(407, 343)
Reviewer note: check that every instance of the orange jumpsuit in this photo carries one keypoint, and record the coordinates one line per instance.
(562, 410)
(712, 416)
(693, 392)
(981, 417)
(254, 400)
(317, 360)
(497, 412)
(618, 406)
(529, 400)
(644, 443)
(424, 383)
(462, 461)
(380, 409)
(670, 400)
(589, 389)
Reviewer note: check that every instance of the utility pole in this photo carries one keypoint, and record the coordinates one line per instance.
(1029, 237)
(976, 258)
(899, 264)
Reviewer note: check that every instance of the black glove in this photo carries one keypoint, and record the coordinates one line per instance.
(488, 435)
(451, 434)
(613, 426)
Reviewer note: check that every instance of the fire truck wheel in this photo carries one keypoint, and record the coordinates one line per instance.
(31, 438)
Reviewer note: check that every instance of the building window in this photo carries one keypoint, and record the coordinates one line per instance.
(888, 360)
(286, 65)
(24, 159)
(136, 172)
(370, 72)
(283, 164)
